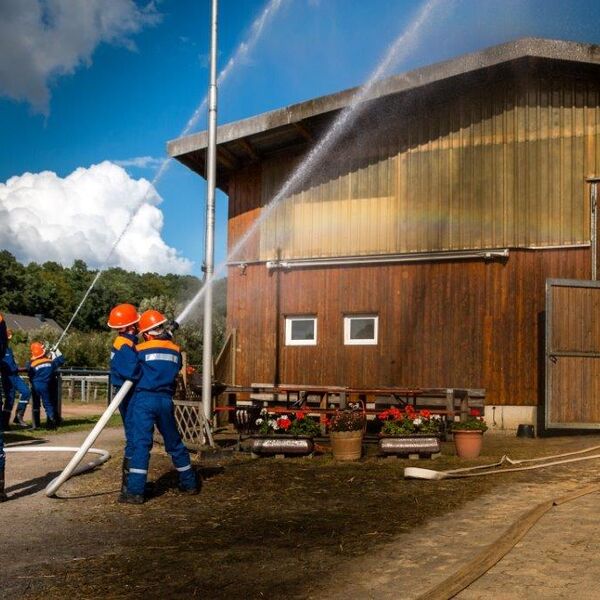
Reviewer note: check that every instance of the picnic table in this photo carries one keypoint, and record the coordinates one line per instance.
(323, 400)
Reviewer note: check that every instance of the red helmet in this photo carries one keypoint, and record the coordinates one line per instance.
(151, 319)
(37, 350)
(123, 315)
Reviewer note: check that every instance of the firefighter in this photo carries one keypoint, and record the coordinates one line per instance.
(124, 366)
(12, 383)
(152, 404)
(3, 347)
(41, 369)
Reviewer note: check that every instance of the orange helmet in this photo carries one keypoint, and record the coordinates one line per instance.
(151, 319)
(37, 350)
(123, 315)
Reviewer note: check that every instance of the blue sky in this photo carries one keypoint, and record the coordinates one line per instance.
(135, 88)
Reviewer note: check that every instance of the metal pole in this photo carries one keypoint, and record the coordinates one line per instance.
(210, 219)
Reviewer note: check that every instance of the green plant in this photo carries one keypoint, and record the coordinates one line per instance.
(296, 424)
(474, 422)
(347, 420)
(409, 421)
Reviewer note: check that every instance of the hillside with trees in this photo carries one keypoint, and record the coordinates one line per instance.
(55, 292)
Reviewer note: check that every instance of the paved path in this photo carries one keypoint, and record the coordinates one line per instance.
(38, 529)
(558, 558)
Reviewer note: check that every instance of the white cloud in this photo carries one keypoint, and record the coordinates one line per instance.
(141, 162)
(46, 217)
(43, 39)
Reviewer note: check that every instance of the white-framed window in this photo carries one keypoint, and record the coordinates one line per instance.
(361, 330)
(301, 330)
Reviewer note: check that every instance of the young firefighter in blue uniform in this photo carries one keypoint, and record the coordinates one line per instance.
(12, 383)
(41, 368)
(152, 404)
(124, 366)
(3, 347)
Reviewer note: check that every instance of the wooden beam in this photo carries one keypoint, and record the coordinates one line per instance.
(304, 132)
(227, 158)
(247, 146)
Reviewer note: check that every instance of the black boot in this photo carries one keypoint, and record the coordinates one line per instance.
(20, 420)
(3, 496)
(127, 498)
(36, 418)
(50, 424)
(6, 420)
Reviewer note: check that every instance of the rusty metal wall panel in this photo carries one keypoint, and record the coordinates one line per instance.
(573, 354)
(501, 165)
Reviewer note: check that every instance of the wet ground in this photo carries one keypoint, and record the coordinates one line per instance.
(295, 528)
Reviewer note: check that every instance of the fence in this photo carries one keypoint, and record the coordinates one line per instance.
(85, 385)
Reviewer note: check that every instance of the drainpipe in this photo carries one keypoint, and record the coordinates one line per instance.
(593, 181)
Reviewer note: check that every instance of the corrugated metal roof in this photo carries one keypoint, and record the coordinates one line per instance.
(253, 139)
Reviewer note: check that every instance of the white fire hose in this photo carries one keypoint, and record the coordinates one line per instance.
(88, 466)
(418, 473)
(71, 468)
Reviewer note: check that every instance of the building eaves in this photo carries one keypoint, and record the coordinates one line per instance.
(292, 124)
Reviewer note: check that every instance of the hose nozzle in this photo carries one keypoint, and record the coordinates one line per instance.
(172, 327)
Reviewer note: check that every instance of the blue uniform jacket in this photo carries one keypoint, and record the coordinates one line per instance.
(160, 362)
(41, 370)
(123, 360)
(3, 336)
(9, 366)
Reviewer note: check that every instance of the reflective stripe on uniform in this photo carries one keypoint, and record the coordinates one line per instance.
(139, 471)
(186, 468)
(43, 366)
(162, 356)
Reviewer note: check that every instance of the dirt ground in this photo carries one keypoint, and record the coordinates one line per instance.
(295, 528)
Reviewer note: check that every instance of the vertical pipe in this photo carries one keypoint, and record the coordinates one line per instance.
(594, 226)
(211, 156)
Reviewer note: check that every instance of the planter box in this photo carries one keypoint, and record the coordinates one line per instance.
(420, 445)
(281, 445)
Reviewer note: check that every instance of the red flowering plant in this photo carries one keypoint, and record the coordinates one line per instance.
(474, 422)
(409, 421)
(296, 423)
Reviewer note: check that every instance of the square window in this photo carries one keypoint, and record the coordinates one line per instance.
(301, 331)
(361, 330)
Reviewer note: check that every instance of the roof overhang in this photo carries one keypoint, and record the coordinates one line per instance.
(291, 128)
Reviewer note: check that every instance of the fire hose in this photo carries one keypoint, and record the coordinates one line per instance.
(430, 474)
(493, 553)
(71, 468)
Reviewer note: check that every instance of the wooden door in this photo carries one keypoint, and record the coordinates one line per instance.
(572, 354)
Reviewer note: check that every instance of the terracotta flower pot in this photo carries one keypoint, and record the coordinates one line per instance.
(346, 445)
(468, 442)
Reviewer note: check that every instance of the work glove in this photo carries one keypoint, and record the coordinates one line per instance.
(55, 353)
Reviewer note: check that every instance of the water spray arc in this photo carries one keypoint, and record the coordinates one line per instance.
(399, 49)
(244, 49)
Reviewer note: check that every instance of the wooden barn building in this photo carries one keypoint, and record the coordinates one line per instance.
(419, 250)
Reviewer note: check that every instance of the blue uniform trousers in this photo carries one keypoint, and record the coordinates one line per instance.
(146, 410)
(43, 392)
(12, 385)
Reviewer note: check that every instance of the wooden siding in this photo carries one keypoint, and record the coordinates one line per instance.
(500, 164)
(462, 324)
(575, 380)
